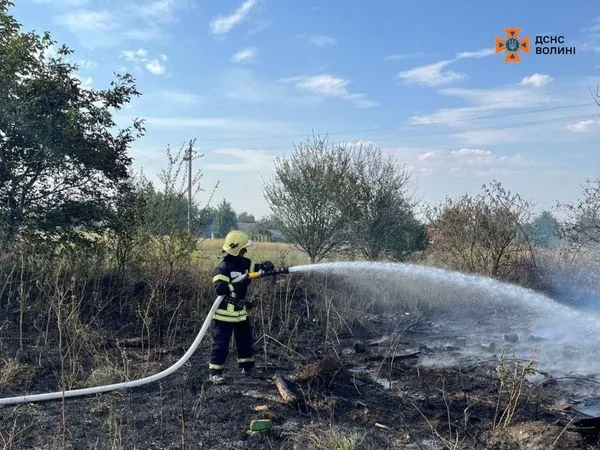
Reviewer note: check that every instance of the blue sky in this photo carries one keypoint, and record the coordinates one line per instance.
(249, 78)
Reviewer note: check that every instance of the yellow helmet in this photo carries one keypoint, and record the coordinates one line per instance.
(235, 241)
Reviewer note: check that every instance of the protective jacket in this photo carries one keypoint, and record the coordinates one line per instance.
(232, 308)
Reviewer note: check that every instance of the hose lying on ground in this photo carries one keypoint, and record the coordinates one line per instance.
(125, 384)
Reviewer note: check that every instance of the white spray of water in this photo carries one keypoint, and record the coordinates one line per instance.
(568, 339)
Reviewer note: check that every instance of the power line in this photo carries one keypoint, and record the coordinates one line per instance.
(441, 122)
(406, 137)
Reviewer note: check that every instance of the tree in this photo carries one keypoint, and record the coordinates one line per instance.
(206, 219)
(481, 233)
(225, 219)
(381, 219)
(309, 194)
(61, 158)
(128, 221)
(246, 218)
(544, 230)
(582, 225)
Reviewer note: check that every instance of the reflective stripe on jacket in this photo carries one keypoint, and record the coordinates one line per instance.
(231, 309)
(227, 312)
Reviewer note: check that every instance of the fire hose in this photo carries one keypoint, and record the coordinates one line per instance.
(150, 379)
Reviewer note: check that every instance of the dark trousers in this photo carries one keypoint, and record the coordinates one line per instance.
(222, 332)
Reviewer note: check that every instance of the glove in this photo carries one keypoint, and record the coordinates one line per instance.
(267, 266)
(249, 304)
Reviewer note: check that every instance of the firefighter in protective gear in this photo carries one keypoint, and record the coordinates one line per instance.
(230, 278)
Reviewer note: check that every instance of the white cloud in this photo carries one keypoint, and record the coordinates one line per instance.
(431, 74)
(436, 74)
(225, 123)
(477, 54)
(428, 155)
(461, 162)
(482, 102)
(402, 56)
(470, 152)
(189, 122)
(158, 10)
(87, 64)
(224, 24)
(117, 22)
(245, 56)
(499, 98)
(322, 41)
(155, 67)
(86, 20)
(140, 57)
(486, 137)
(584, 126)
(476, 156)
(331, 86)
(536, 80)
(248, 160)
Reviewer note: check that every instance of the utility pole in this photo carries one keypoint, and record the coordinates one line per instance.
(189, 160)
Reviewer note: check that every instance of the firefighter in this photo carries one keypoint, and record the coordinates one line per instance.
(231, 316)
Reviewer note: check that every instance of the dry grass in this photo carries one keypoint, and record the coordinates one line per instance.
(106, 373)
(12, 372)
(281, 254)
(327, 438)
(512, 387)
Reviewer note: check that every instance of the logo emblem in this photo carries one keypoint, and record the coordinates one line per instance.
(512, 45)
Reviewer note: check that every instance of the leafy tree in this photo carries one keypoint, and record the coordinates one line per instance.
(544, 230)
(225, 219)
(144, 213)
(206, 219)
(481, 233)
(246, 218)
(381, 219)
(61, 157)
(161, 240)
(309, 194)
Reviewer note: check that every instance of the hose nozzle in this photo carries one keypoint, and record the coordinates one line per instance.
(270, 273)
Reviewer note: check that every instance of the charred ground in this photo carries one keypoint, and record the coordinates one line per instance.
(357, 376)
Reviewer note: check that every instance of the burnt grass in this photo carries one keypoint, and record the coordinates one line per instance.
(362, 388)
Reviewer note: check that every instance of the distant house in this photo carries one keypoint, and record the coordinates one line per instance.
(258, 232)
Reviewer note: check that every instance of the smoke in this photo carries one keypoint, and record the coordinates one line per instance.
(485, 311)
